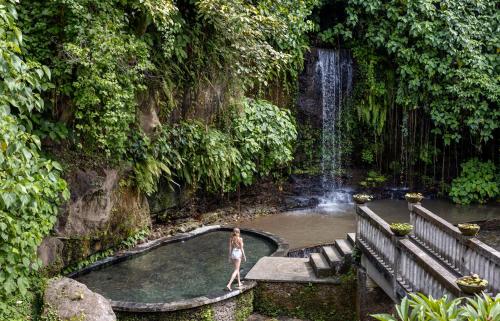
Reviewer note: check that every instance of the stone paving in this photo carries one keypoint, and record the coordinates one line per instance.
(286, 269)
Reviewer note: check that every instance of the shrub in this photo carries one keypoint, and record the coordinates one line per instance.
(264, 134)
(373, 179)
(476, 184)
(418, 307)
(209, 158)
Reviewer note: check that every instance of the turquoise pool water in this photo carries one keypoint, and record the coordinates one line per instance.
(182, 270)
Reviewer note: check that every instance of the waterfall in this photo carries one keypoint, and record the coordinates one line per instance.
(334, 69)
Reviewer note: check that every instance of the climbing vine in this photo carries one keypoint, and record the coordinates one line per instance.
(31, 185)
(426, 86)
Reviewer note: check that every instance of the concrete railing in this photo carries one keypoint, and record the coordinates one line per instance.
(377, 234)
(420, 273)
(410, 268)
(465, 255)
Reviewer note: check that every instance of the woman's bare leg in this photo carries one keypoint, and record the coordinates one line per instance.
(238, 275)
(236, 272)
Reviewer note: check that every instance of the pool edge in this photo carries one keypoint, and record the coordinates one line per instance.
(128, 306)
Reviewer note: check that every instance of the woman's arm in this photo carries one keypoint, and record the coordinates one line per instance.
(243, 251)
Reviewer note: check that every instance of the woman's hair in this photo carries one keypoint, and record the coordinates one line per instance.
(234, 235)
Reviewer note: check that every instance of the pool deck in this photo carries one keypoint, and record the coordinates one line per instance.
(286, 269)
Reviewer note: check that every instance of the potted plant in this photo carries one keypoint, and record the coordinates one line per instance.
(414, 197)
(469, 229)
(401, 229)
(361, 198)
(472, 284)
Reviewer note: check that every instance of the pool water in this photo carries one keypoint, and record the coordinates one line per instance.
(176, 271)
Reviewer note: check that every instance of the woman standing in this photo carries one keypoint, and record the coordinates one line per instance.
(236, 252)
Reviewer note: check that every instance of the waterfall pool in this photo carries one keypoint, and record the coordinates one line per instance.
(178, 271)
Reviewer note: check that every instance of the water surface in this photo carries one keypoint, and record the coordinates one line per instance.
(330, 221)
(176, 271)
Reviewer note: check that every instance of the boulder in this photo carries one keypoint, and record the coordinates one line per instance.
(187, 226)
(72, 300)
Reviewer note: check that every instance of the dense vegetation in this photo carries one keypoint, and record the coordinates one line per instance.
(427, 86)
(187, 92)
(82, 74)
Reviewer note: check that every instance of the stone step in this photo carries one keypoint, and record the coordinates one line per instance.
(320, 265)
(333, 257)
(344, 248)
(351, 237)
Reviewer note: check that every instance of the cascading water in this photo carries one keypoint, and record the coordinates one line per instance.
(334, 69)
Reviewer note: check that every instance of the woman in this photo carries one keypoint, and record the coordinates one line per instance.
(236, 252)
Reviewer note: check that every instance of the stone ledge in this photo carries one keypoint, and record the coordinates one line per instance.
(286, 269)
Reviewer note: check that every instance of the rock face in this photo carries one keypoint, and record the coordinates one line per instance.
(89, 208)
(310, 98)
(101, 213)
(50, 251)
(71, 300)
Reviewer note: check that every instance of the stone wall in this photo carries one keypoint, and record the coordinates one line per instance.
(318, 302)
(237, 308)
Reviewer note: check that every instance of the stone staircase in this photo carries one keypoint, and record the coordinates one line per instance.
(333, 259)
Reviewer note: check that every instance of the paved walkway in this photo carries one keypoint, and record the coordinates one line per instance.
(286, 269)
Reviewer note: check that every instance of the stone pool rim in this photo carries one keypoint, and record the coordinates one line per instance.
(131, 306)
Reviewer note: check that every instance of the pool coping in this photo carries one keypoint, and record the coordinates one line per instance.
(128, 306)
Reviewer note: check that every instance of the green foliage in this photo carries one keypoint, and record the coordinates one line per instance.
(31, 186)
(373, 179)
(210, 159)
(443, 55)
(259, 141)
(264, 135)
(367, 155)
(418, 307)
(478, 182)
(307, 150)
(105, 54)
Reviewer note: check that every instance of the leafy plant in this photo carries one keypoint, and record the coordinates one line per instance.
(401, 229)
(32, 187)
(477, 183)
(418, 307)
(264, 134)
(373, 179)
(209, 158)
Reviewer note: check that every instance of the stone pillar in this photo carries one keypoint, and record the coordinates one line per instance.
(370, 298)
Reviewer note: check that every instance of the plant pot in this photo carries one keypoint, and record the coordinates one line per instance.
(469, 229)
(361, 198)
(471, 288)
(401, 229)
(414, 197)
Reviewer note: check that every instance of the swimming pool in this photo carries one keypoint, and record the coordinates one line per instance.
(185, 271)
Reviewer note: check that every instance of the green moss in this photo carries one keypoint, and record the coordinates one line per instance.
(244, 306)
(316, 302)
(204, 313)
